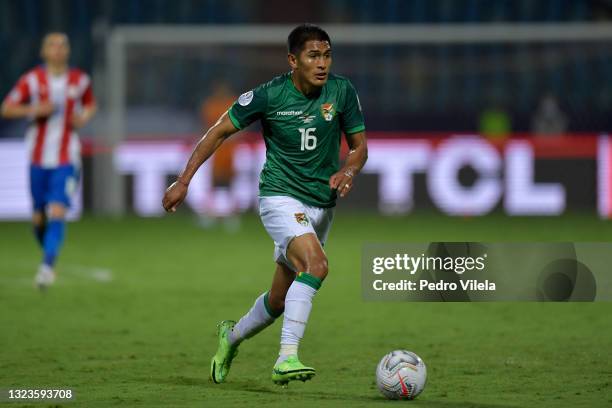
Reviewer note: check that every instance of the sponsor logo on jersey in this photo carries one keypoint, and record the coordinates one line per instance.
(289, 113)
(306, 119)
(245, 98)
(328, 111)
(301, 218)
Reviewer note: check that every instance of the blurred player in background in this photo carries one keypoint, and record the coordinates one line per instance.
(303, 114)
(57, 100)
(220, 208)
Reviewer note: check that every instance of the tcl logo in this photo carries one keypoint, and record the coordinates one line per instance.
(398, 162)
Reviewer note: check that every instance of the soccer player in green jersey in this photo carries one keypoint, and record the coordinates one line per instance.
(302, 114)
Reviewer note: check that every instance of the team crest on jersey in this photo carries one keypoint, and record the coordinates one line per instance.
(301, 218)
(328, 111)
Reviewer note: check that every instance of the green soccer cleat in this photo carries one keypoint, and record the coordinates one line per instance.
(290, 370)
(222, 361)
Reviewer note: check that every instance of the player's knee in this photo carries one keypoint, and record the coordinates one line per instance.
(299, 265)
(38, 218)
(57, 211)
(319, 268)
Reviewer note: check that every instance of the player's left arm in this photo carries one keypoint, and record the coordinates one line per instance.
(342, 181)
(81, 118)
(89, 108)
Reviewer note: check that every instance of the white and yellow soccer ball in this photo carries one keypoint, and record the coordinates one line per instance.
(401, 374)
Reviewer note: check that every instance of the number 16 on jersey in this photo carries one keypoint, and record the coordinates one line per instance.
(309, 141)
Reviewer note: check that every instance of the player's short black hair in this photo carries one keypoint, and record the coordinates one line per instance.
(303, 33)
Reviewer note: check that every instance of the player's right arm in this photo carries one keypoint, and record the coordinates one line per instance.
(19, 111)
(176, 193)
(17, 104)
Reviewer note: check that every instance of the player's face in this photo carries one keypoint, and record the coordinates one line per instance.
(314, 62)
(55, 49)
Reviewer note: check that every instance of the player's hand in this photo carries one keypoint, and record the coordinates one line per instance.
(78, 120)
(174, 196)
(342, 181)
(43, 110)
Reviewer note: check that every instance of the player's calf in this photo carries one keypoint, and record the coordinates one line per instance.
(39, 224)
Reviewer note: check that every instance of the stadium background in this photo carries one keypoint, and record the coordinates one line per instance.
(471, 140)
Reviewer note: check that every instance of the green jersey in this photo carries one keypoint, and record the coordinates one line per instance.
(302, 135)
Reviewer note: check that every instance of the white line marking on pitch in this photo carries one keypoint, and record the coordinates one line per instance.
(95, 273)
(98, 274)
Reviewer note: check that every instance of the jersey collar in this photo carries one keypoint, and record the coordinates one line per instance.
(297, 92)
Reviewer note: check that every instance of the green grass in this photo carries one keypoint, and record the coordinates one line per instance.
(145, 337)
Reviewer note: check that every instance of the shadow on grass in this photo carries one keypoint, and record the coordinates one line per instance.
(455, 404)
(379, 399)
(182, 380)
(270, 391)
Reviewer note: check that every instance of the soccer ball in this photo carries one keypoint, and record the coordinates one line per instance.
(401, 374)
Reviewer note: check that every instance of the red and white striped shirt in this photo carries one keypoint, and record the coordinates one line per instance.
(52, 141)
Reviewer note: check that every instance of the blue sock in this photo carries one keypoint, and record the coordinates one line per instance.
(39, 233)
(54, 238)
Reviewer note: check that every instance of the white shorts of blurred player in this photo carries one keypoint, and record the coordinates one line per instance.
(286, 218)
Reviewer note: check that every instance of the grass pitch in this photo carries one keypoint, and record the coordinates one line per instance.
(131, 321)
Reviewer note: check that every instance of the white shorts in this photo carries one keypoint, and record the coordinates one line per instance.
(286, 218)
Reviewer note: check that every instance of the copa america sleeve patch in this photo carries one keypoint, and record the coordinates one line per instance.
(15, 96)
(245, 98)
